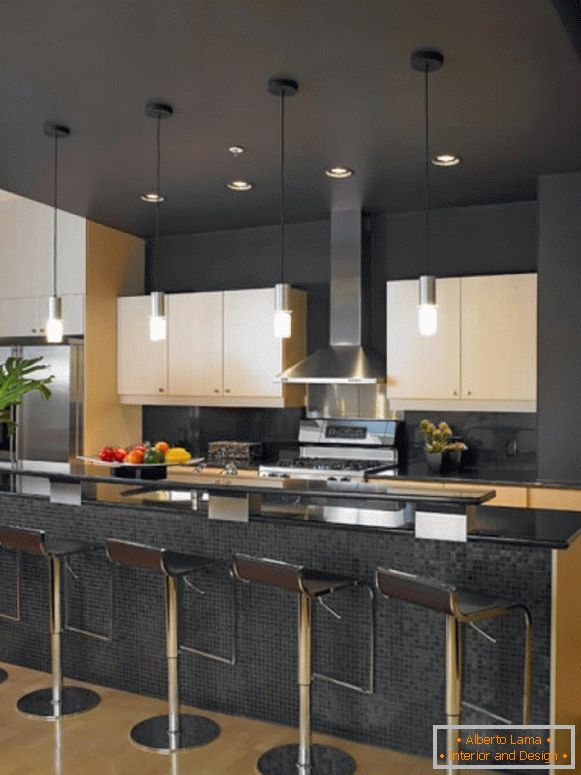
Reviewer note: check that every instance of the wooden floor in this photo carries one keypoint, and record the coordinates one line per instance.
(97, 743)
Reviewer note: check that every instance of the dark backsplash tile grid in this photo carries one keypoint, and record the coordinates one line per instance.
(194, 427)
(490, 436)
(409, 694)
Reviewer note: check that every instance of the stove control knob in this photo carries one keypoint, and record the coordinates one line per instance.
(332, 479)
(345, 479)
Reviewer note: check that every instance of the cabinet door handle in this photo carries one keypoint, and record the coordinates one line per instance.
(161, 390)
(227, 390)
(216, 390)
(33, 330)
(455, 393)
(468, 392)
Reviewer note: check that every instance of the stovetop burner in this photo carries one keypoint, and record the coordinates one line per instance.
(329, 464)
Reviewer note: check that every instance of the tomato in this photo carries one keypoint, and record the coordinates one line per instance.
(163, 446)
(135, 456)
(107, 454)
(120, 454)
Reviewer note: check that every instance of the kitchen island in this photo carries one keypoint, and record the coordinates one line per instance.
(521, 554)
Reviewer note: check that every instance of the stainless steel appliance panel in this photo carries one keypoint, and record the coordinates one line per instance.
(48, 429)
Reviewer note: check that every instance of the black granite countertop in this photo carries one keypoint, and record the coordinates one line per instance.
(186, 478)
(363, 506)
(487, 473)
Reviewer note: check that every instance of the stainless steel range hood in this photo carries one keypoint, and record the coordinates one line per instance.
(346, 360)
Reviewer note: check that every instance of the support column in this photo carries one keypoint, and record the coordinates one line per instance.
(304, 631)
(453, 683)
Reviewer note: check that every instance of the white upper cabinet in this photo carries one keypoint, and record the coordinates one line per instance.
(423, 366)
(195, 322)
(26, 250)
(484, 354)
(252, 354)
(499, 337)
(141, 364)
(220, 350)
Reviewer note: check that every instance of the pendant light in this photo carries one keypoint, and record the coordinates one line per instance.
(54, 321)
(157, 314)
(283, 88)
(427, 61)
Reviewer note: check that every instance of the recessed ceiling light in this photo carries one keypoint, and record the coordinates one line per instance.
(236, 150)
(239, 185)
(445, 160)
(339, 172)
(152, 198)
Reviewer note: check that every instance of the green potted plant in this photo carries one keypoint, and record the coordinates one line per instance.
(439, 447)
(16, 379)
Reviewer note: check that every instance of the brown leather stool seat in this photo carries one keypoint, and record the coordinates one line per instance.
(59, 700)
(304, 758)
(174, 731)
(460, 606)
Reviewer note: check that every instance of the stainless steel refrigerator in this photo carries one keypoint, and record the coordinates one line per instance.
(48, 429)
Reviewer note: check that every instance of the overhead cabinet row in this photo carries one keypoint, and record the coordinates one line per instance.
(220, 350)
(26, 267)
(484, 354)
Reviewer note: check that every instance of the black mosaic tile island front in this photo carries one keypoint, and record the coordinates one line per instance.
(409, 692)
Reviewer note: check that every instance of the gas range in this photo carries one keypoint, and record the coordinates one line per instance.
(340, 450)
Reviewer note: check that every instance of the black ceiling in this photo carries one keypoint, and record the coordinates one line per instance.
(507, 101)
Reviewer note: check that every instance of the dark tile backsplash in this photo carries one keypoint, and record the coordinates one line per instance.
(193, 427)
(498, 438)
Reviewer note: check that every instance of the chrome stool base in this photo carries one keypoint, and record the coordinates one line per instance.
(74, 700)
(3, 675)
(325, 760)
(152, 733)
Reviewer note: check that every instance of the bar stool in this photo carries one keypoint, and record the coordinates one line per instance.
(304, 758)
(3, 675)
(174, 731)
(58, 700)
(460, 606)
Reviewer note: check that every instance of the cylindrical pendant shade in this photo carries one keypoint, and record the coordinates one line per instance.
(427, 289)
(282, 311)
(54, 321)
(157, 318)
(427, 307)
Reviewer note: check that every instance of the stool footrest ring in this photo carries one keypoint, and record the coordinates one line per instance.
(152, 734)
(325, 760)
(74, 699)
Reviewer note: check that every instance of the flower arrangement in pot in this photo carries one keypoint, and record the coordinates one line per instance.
(440, 450)
(19, 376)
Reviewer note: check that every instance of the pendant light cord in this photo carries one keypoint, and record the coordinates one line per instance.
(282, 187)
(158, 202)
(427, 168)
(55, 216)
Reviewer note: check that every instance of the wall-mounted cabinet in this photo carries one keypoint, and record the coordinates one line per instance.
(26, 267)
(220, 351)
(484, 354)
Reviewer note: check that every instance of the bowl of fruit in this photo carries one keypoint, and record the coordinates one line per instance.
(142, 461)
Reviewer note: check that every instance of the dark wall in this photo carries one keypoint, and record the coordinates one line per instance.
(465, 240)
(250, 258)
(559, 267)
(468, 240)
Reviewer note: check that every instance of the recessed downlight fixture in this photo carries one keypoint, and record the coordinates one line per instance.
(339, 172)
(239, 185)
(152, 198)
(236, 150)
(445, 160)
